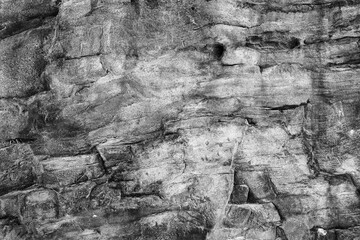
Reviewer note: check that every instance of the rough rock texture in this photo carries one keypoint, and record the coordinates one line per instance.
(179, 119)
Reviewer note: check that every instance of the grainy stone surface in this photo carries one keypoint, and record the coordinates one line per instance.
(179, 119)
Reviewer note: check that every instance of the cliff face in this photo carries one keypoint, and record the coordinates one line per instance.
(179, 119)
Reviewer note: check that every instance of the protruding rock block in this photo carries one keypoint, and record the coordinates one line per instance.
(286, 84)
(82, 40)
(248, 215)
(239, 194)
(296, 228)
(262, 142)
(258, 182)
(229, 35)
(231, 13)
(11, 204)
(71, 10)
(241, 56)
(246, 82)
(69, 170)
(77, 71)
(248, 221)
(30, 205)
(40, 205)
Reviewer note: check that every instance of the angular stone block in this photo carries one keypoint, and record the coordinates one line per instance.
(296, 228)
(228, 35)
(258, 183)
(241, 56)
(230, 12)
(11, 203)
(286, 84)
(81, 41)
(69, 170)
(239, 194)
(77, 71)
(249, 215)
(40, 205)
(74, 9)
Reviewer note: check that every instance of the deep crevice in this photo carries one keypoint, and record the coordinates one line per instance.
(251, 121)
(280, 233)
(287, 107)
(100, 160)
(20, 140)
(281, 215)
(219, 51)
(293, 43)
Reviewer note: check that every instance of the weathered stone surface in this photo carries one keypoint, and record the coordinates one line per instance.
(40, 205)
(76, 71)
(17, 168)
(232, 13)
(20, 15)
(240, 194)
(22, 64)
(241, 56)
(248, 221)
(153, 119)
(69, 170)
(238, 216)
(13, 118)
(74, 9)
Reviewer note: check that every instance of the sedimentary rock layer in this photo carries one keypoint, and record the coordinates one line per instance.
(179, 119)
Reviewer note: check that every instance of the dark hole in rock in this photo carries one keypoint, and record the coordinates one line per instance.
(218, 51)
(93, 4)
(255, 39)
(293, 43)
(152, 3)
(251, 121)
(136, 5)
(40, 64)
(357, 191)
(194, 234)
(251, 197)
(280, 234)
(20, 140)
(17, 46)
(264, 67)
(132, 53)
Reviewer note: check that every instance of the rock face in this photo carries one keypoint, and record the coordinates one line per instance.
(179, 119)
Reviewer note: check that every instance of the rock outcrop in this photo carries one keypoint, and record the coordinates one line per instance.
(179, 119)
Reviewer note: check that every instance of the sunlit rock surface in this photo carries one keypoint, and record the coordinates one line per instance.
(179, 119)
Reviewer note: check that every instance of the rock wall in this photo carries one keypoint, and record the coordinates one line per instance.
(179, 119)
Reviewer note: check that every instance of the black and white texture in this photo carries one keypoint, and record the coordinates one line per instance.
(179, 119)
